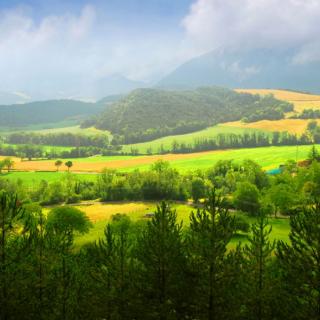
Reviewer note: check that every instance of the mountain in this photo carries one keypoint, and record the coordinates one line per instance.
(40, 112)
(259, 68)
(78, 88)
(115, 85)
(13, 97)
(146, 114)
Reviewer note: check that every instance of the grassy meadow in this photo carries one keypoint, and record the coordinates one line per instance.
(267, 157)
(300, 100)
(166, 142)
(101, 213)
(294, 126)
(30, 178)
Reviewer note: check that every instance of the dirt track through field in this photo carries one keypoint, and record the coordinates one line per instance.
(98, 166)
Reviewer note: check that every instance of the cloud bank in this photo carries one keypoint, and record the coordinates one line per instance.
(65, 54)
(68, 53)
(249, 24)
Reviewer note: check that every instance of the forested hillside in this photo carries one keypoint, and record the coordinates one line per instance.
(20, 115)
(146, 114)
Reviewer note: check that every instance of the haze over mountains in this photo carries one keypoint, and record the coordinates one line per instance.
(258, 68)
(78, 89)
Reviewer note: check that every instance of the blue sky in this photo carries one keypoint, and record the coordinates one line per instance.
(64, 45)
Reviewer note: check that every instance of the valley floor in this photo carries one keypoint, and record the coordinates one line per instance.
(267, 157)
(101, 213)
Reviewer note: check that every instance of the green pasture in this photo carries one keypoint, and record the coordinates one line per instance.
(45, 147)
(31, 178)
(39, 127)
(266, 157)
(280, 226)
(166, 142)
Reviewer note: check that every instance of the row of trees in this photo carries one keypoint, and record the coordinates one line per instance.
(158, 269)
(246, 140)
(26, 151)
(58, 139)
(247, 187)
(86, 146)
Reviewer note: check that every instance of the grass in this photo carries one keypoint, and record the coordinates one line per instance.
(42, 126)
(32, 178)
(267, 157)
(44, 147)
(72, 129)
(296, 126)
(189, 138)
(100, 214)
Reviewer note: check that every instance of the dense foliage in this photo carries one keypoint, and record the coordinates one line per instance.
(147, 114)
(307, 114)
(159, 269)
(58, 139)
(89, 145)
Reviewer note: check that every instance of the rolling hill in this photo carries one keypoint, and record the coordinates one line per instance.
(51, 111)
(20, 115)
(146, 114)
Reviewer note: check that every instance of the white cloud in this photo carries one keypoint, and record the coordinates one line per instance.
(68, 53)
(243, 24)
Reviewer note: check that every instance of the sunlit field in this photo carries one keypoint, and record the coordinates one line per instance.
(300, 101)
(101, 213)
(295, 126)
(166, 142)
(267, 157)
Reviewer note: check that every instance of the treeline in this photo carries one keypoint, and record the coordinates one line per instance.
(246, 185)
(219, 142)
(228, 141)
(66, 139)
(158, 269)
(147, 114)
(307, 114)
(28, 151)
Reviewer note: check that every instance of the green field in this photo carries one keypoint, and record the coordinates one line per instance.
(45, 147)
(188, 138)
(103, 213)
(266, 157)
(44, 126)
(31, 178)
(61, 127)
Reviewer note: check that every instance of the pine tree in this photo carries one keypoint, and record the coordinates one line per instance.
(211, 229)
(113, 268)
(258, 259)
(162, 262)
(11, 213)
(300, 263)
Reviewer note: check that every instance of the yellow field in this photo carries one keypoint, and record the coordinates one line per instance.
(103, 212)
(297, 126)
(99, 163)
(300, 101)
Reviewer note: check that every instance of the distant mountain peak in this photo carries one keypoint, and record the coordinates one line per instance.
(256, 68)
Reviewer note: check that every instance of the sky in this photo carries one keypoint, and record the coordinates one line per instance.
(68, 44)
